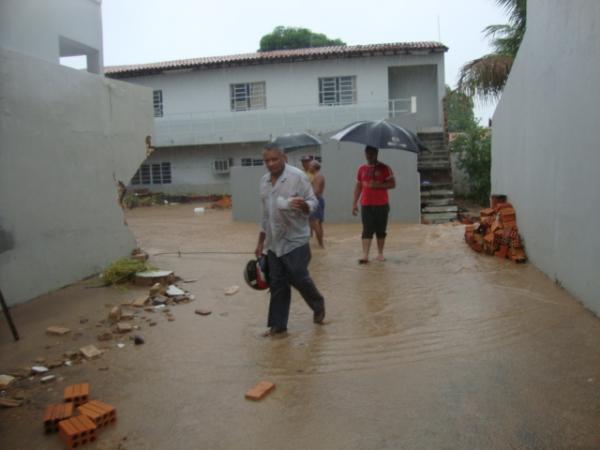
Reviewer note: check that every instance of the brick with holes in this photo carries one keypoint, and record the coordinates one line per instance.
(77, 393)
(101, 413)
(56, 413)
(77, 431)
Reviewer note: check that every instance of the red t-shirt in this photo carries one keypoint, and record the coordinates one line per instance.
(379, 173)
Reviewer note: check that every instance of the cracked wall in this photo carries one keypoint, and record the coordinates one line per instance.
(66, 136)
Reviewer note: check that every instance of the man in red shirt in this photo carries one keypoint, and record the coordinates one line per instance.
(372, 183)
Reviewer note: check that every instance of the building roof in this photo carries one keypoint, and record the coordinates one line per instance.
(276, 56)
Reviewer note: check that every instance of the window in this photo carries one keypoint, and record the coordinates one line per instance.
(247, 96)
(248, 162)
(155, 173)
(157, 101)
(337, 91)
(221, 166)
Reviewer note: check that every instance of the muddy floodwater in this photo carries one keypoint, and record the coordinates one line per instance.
(436, 348)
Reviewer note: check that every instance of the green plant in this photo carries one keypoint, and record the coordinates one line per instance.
(123, 270)
(473, 148)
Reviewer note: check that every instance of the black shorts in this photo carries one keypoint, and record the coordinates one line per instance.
(374, 219)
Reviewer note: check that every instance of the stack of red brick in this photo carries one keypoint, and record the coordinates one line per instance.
(497, 233)
(79, 429)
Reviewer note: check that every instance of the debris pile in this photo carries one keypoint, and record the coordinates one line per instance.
(78, 418)
(497, 233)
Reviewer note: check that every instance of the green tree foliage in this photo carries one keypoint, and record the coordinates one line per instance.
(474, 150)
(460, 111)
(485, 77)
(282, 38)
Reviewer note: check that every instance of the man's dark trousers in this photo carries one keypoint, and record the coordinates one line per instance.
(290, 269)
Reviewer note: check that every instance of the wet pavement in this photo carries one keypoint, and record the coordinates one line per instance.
(437, 348)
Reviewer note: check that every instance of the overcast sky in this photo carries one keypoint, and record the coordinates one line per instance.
(142, 31)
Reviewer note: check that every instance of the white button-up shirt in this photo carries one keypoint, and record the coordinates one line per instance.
(285, 228)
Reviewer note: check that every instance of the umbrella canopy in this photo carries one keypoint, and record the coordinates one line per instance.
(295, 141)
(380, 134)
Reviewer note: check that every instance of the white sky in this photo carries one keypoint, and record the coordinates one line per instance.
(142, 31)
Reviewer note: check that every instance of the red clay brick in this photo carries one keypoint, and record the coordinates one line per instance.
(77, 393)
(77, 431)
(101, 413)
(56, 413)
(259, 391)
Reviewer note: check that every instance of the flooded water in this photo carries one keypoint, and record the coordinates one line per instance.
(438, 347)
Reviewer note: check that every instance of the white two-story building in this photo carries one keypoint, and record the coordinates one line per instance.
(216, 112)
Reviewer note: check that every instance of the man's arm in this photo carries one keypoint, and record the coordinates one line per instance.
(306, 201)
(263, 226)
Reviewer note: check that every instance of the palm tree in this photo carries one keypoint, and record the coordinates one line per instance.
(485, 77)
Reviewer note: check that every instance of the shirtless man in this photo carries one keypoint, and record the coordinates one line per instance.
(318, 185)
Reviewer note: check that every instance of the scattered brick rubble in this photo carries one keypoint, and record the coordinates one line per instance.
(78, 418)
(497, 233)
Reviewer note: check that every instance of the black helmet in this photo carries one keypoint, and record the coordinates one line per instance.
(256, 273)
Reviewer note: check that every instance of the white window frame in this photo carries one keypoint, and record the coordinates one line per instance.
(157, 102)
(336, 91)
(221, 166)
(153, 173)
(248, 96)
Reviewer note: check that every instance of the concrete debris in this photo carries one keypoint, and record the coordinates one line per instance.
(53, 364)
(123, 327)
(120, 345)
(9, 402)
(203, 312)
(157, 289)
(5, 380)
(127, 314)
(139, 255)
(171, 319)
(151, 277)
(159, 307)
(115, 314)
(152, 324)
(90, 351)
(138, 340)
(22, 372)
(231, 290)
(47, 379)
(71, 355)
(39, 369)
(83, 320)
(39, 360)
(159, 300)
(173, 291)
(105, 336)
(57, 331)
(140, 302)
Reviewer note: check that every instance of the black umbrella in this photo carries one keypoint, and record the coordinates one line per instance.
(380, 134)
(295, 141)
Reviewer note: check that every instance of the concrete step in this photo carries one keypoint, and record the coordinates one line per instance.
(437, 193)
(440, 209)
(436, 187)
(448, 201)
(434, 165)
(439, 218)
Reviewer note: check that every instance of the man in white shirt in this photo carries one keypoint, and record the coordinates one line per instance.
(287, 199)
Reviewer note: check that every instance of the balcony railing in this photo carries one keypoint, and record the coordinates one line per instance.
(198, 128)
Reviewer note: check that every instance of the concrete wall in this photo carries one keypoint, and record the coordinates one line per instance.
(65, 138)
(422, 82)
(50, 29)
(545, 146)
(191, 167)
(340, 164)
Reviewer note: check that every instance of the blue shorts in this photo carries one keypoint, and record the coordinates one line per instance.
(319, 213)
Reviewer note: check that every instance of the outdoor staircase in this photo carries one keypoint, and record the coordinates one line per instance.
(437, 196)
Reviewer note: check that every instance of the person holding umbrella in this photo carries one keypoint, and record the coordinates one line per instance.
(373, 181)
